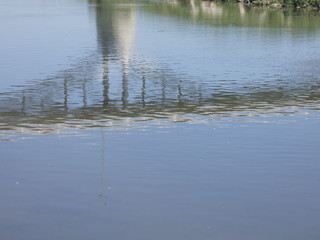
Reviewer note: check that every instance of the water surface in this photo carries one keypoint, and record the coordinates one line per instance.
(158, 120)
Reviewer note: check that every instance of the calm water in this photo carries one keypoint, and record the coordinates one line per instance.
(158, 120)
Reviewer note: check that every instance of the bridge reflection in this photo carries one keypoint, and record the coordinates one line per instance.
(114, 87)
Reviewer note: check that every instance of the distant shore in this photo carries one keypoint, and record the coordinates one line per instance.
(306, 4)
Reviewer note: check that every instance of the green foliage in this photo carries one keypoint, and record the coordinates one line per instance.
(302, 3)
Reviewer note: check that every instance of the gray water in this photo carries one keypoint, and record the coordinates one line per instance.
(158, 120)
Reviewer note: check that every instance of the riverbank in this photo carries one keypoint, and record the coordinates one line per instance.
(306, 4)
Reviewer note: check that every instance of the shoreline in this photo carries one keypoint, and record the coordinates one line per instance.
(289, 4)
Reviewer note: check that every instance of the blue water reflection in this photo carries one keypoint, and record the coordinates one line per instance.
(158, 120)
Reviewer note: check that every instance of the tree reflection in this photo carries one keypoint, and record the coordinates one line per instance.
(222, 13)
(112, 86)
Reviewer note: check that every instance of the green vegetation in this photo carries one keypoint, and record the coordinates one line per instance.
(314, 4)
(303, 3)
(228, 14)
(311, 4)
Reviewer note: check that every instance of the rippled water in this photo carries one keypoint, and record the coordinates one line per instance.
(158, 120)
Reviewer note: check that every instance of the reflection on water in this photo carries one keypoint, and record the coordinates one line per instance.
(103, 191)
(230, 14)
(187, 85)
(117, 85)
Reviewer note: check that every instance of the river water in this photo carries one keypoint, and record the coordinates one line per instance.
(158, 120)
